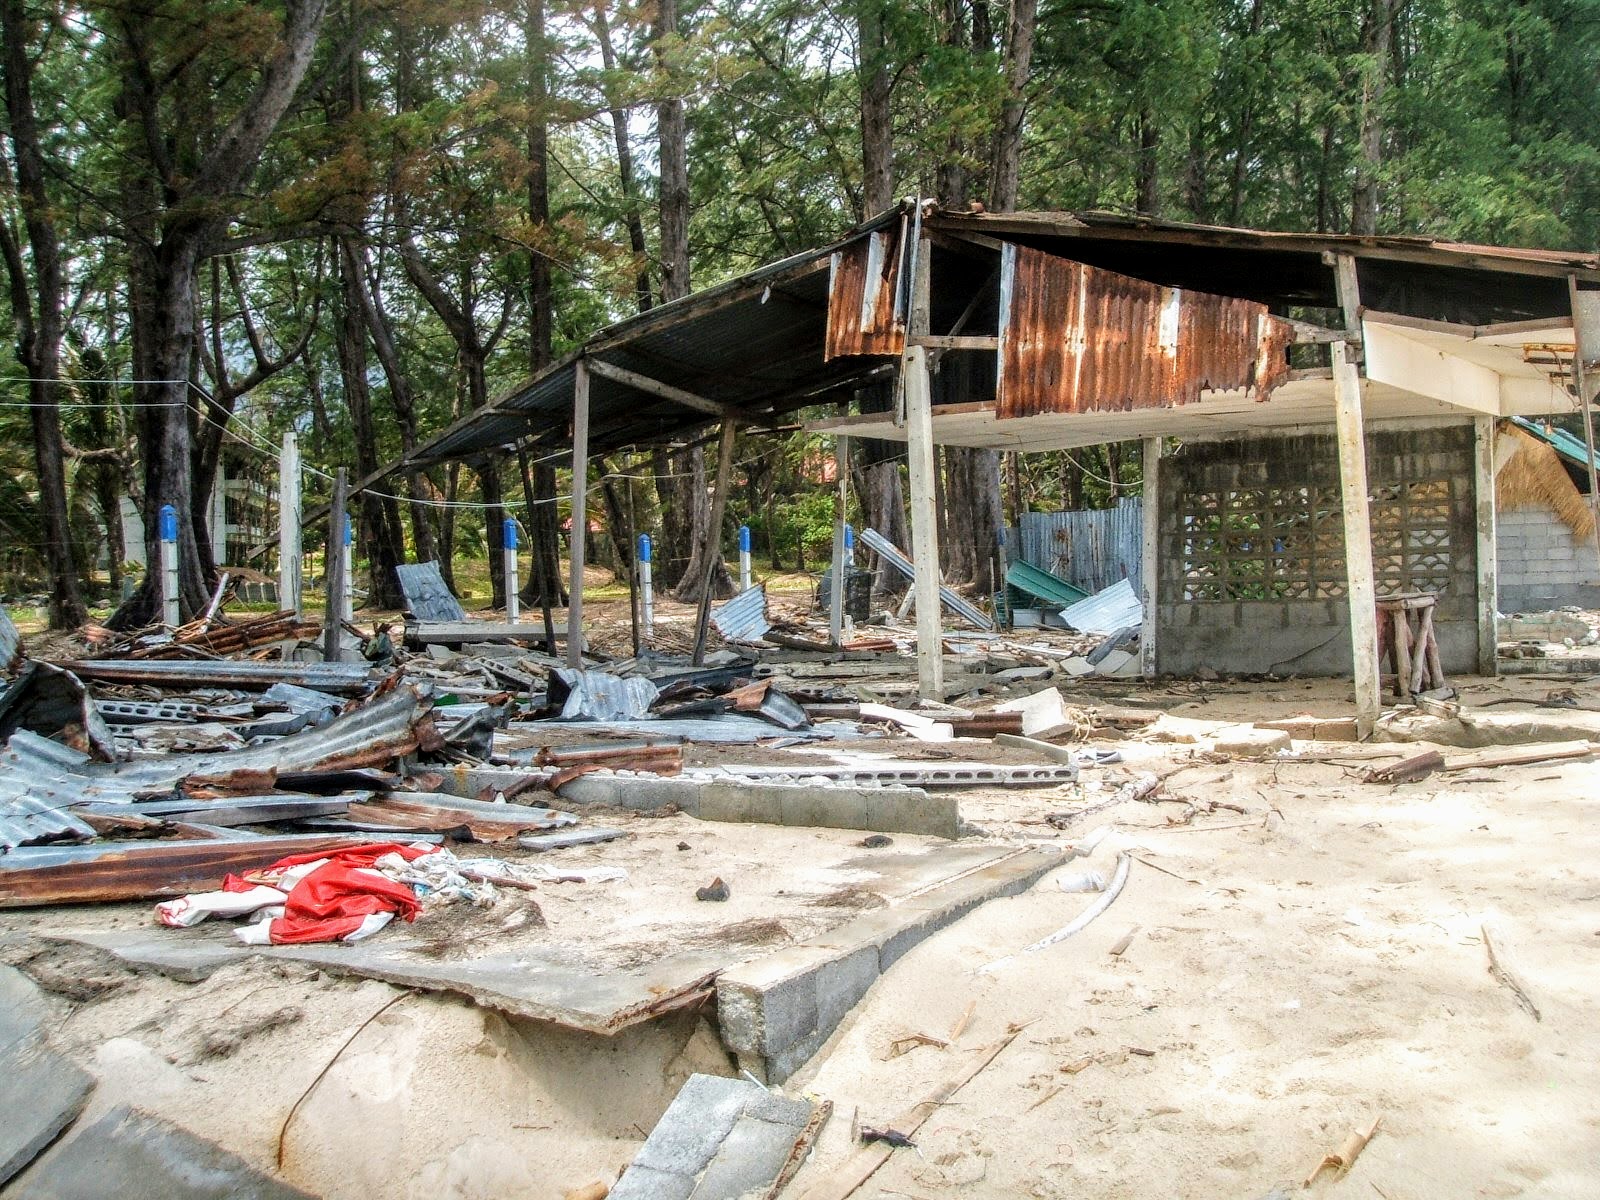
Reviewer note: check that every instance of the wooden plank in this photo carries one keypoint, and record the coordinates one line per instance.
(452, 633)
(1150, 556)
(655, 387)
(924, 526)
(957, 341)
(1586, 346)
(580, 510)
(1348, 290)
(333, 628)
(1484, 509)
(1357, 538)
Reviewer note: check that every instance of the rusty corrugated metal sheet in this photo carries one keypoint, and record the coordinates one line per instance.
(1076, 338)
(865, 314)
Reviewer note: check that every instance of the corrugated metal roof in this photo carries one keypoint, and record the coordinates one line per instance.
(427, 595)
(10, 643)
(865, 315)
(1076, 338)
(1107, 611)
(39, 781)
(744, 618)
(1565, 444)
(890, 553)
(342, 679)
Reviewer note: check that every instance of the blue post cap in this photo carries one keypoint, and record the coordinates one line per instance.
(169, 523)
(744, 539)
(644, 547)
(349, 531)
(508, 533)
(849, 537)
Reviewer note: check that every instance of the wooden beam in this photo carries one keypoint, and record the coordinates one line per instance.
(1362, 590)
(1585, 348)
(655, 387)
(1394, 358)
(953, 341)
(719, 505)
(924, 526)
(580, 512)
(1488, 576)
(1305, 333)
(333, 572)
(1149, 561)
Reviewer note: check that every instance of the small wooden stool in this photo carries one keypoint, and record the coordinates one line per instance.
(1405, 631)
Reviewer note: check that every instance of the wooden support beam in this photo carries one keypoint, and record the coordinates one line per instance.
(333, 572)
(955, 341)
(1586, 348)
(719, 506)
(655, 387)
(1488, 574)
(1150, 556)
(924, 525)
(580, 512)
(1357, 538)
(1348, 290)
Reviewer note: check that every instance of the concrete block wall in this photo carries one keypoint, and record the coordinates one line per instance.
(1541, 564)
(1307, 636)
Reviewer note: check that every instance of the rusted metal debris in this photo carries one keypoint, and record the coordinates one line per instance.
(229, 639)
(439, 813)
(1076, 338)
(110, 871)
(47, 700)
(340, 679)
(865, 314)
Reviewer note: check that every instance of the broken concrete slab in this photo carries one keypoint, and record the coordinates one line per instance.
(776, 1012)
(41, 1091)
(718, 1140)
(1049, 750)
(874, 809)
(135, 1156)
(1246, 741)
(1316, 729)
(1044, 714)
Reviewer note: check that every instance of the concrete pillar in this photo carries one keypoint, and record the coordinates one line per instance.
(1488, 564)
(508, 554)
(924, 525)
(1150, 554)
(347, 590)
(1357, 538)
(841, 461)
(289, 549)
(171, 611)
(646, 584)
(580, 511)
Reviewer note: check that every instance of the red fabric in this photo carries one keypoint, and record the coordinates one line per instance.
(331, 901)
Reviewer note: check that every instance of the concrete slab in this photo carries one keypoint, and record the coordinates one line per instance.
(1044, 714)
(718, 1140)
(567, 981)
(874, 809)
(135, 1156)
(777, 1012)
(41, 1092)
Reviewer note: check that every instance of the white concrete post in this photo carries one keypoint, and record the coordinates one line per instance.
(924, 525)
(170, 611)
(1149, 554)
(580, 512)
(849, 545)
(289, 552)
(744, 558)
(1488, 569)
(1357, 538)
(646, 585)
(347, 589)
(508, 553)
(841, 464)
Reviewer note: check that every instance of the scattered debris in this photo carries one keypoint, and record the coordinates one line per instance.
(1344, 1158)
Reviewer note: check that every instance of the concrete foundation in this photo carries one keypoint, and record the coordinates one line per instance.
(777, 1012)
(41, 1092)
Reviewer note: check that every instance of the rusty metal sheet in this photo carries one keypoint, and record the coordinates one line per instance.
(336, 678)
(109, 871)
(865, 313)
(1076, 339)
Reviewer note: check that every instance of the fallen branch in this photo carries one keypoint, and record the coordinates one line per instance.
(1113, 890)
(1502, 969)
(1520, 757)
(1417, 766)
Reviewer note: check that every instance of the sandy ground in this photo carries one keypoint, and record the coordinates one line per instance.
(1298, 970)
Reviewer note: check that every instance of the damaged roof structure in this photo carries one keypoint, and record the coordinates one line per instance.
(1080, 329)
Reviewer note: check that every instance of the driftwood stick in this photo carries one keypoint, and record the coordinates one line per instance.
(1505, 971)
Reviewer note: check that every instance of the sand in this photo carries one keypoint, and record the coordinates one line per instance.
(1298, 970)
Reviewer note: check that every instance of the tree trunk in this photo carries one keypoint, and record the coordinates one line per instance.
(1006, 162)
(39, 318)
(630, 189)
(672, 131)
(1147, 180)
(877, 116)
(1376, 38)
(705, 540)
